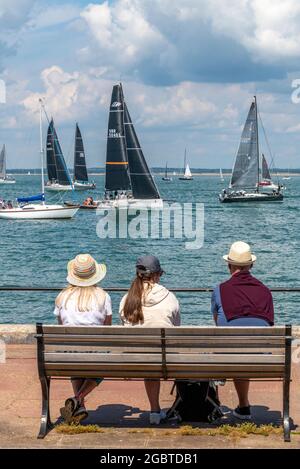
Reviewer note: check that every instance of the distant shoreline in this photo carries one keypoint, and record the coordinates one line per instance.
(280, 174)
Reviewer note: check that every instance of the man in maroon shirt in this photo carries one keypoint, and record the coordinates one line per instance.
(242, 301)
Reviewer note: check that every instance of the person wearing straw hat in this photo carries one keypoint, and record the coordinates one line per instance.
(242, 300)
(82, 303)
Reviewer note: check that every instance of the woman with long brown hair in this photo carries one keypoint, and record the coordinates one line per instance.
(82, 303)
(148, 304)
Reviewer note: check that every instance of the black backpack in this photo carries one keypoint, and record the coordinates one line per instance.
(196, 401)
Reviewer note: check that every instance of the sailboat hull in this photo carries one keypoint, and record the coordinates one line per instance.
(58, 187)
(268, 187)
(38, 212)
(130, 204)
(7, 181)
(250, 197)
(84, 186)
(185, 178)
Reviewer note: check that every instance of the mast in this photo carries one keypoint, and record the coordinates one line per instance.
(257, 145)
(42, 148)
(166, 171)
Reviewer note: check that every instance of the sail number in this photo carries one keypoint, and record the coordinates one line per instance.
(112, 133)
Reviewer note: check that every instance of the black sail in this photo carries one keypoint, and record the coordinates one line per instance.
(265, 169)
(143, 185)
(80, 172)
(246, 167)
(116, 176)
(55, 155)
(51, 166)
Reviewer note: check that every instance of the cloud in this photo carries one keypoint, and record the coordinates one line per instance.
(68, 96)
(168, 41)
(124, 39)
(77, 95)
(13, 15)
(53, 15)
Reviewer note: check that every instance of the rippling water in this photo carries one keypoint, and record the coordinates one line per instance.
(35, 253)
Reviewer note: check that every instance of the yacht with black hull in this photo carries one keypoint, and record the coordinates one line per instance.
(245, 184)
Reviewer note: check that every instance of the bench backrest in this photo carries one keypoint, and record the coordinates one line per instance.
(177, 352)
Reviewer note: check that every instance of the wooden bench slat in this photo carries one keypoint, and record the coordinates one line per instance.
(97, 367)
(185, 348)
(175, 375)
(180, 358)
(170, 331)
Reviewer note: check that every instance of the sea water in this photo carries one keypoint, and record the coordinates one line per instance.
(35, 253)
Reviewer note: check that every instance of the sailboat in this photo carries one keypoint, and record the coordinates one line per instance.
(266, 183)
(4, 179)
(59, 178)
(81, 180)
(245, 178)
(288, 177)
(26, 210)
(187, 176)
(128, 180)
(221, 175)
(166, 177)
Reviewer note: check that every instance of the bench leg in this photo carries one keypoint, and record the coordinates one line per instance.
(46, 424)
(286, 410)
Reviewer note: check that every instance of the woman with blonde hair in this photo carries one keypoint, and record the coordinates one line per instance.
(82, 303)
(148, 304)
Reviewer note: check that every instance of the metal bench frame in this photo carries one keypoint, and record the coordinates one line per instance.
(163, 365)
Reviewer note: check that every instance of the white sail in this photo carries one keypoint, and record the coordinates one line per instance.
(221, 175)
(187, 172)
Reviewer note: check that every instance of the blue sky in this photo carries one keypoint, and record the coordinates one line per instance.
(189, 70)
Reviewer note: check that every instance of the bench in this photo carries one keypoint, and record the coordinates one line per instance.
(167, 354)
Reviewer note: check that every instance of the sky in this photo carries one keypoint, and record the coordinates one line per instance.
(189, 70)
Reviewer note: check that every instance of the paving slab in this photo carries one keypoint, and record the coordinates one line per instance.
(121, 409)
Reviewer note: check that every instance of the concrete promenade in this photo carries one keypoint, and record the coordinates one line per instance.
(120, 408)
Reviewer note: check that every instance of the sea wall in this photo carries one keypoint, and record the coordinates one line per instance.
(24, 333)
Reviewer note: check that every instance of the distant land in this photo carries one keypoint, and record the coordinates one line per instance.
(159, 171)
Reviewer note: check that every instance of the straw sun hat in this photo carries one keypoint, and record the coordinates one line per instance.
(84, 271)
(240, 254)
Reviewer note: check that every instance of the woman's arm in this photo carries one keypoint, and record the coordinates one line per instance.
(108, 321)
(214, 307)
(108, 311)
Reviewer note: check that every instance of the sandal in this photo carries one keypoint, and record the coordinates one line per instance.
(68, 410)
(79, 415)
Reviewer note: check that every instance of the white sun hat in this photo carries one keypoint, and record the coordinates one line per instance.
(240, 254)
(84, 271)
